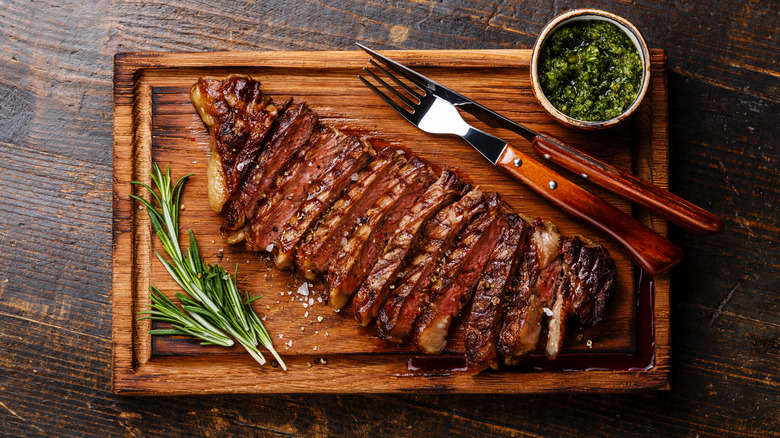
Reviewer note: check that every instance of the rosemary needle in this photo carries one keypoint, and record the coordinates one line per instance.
(212, 310)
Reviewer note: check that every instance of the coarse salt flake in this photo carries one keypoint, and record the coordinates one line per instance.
(281, 335)
(303, 289)
(354, 176)
(270, 247)
(305, 305)
(548, 312)
(311, 301)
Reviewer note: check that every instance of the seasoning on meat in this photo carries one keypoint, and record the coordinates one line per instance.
(416, 251)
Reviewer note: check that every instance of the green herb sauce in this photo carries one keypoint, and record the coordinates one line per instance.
(590, 70)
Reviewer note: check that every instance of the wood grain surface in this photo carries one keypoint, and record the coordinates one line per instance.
(55, 218)
(155, 122)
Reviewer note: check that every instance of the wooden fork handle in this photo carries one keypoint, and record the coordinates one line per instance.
(616, 180)
(653, 253)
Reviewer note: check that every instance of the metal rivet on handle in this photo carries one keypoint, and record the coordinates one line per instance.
(517, 162)
(553, 185)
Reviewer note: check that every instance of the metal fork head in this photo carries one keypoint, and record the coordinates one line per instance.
(428, 112)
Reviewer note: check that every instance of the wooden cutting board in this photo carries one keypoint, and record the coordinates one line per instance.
(154, 121)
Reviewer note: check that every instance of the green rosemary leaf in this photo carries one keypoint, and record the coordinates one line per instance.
(212, 308)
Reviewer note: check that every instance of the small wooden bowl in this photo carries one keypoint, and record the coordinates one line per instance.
(583, 15)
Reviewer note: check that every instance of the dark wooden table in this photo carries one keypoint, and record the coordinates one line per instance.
(55, 217)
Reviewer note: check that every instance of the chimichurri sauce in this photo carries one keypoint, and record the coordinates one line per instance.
(590, 70)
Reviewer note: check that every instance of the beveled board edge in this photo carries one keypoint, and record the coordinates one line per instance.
(168, 376)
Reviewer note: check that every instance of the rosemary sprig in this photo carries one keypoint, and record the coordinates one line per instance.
(212, 309)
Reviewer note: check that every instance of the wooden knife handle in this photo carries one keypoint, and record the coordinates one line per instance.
(653, 253)
(616, 180)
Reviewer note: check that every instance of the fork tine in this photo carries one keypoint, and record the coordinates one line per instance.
(396, 80)
(384, 97)
(395, 92)
(414, 77)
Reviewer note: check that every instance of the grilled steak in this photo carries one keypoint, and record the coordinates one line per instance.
(487, 307)
(415, 251)
(325, 147)
(588, 278)
(319, 195)
(356, 258)
(290, 132)
(238, 117)
(372, 293)
(323, 241)
(403, 305)
(455, 283)
(530, 293)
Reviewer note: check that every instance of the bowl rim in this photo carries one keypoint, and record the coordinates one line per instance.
(584, 14)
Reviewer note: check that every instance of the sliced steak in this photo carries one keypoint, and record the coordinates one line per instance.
(290, 132)
(530, 293)
(374, 289)
(588, 279)
(323, 240)
(487, 307)
(328, 148)
(406, 296)
(458, 277)
(319, 195)
(238, 117)
(352, 264)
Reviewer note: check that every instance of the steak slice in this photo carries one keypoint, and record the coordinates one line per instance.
(458, 277)
(328, 147)
(290, 132)
(487, 307)
(238, 116)
(352, 264)
(374, 289)
(323, 241)
(319, 195)
(403, 305)
(588, 279)
(531, 292)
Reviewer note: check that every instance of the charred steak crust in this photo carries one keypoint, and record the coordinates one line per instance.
(405, 301)
(238, 117)
(319, 195)
(374, 289)
(458, 277)
(487, 307)
(593, 276)
(531, 291)
(356, 258)
(588, 278)
(324, 239)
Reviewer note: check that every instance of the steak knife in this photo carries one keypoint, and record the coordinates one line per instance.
(614, 179)
(435, 114)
